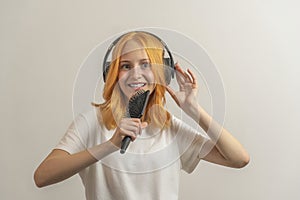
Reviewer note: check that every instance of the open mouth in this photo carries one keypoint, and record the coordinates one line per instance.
(136, 85)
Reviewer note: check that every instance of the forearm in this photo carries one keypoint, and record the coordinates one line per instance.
(226, 150)
(228, 146)
(60, 165)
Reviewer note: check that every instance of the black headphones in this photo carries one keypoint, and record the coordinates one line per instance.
(169, 66)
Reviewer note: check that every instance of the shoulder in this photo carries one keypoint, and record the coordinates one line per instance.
(176, 123)
(186, 126)
(90, 118)
(87, 125)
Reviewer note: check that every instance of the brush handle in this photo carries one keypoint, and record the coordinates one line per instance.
(141, 98)
(125, 142)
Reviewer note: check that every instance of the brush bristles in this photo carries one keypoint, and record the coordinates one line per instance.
(137, 104)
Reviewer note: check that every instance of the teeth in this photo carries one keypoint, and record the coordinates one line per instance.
(137, 85)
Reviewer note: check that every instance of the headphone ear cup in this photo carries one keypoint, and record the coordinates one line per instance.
(169, 70)
(105, 71)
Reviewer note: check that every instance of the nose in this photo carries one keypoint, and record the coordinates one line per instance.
(136, 72)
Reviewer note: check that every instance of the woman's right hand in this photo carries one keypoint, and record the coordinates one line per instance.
(128, 127)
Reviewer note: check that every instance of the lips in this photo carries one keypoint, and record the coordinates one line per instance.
(136, 85)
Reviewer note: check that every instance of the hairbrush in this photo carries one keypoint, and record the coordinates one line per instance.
(135, 109)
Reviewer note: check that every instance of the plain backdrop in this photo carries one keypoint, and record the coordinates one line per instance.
(255, 45)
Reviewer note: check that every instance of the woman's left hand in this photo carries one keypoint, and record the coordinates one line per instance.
(186, 97)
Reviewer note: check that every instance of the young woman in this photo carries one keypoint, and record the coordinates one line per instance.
(162, 144)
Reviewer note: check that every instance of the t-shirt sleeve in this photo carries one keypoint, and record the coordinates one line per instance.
(72, 142)
(191, 142)
(191, 157)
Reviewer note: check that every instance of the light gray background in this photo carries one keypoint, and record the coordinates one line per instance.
(255, 45)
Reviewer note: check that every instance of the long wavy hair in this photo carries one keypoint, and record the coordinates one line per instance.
(114, 107)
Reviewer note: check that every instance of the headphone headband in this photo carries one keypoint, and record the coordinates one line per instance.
(169, 62)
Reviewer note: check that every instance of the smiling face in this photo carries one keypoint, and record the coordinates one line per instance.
(135, 71)
(136, 63)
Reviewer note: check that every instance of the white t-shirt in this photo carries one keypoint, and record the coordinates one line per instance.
(149, 169)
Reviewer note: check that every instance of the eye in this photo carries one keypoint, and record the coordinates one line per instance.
(125, 67)
(145, 65)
